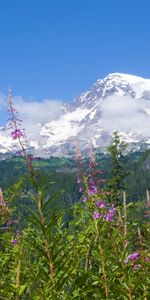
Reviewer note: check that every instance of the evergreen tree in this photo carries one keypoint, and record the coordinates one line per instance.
(116, 183)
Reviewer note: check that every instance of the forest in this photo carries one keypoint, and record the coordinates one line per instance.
(76, 228)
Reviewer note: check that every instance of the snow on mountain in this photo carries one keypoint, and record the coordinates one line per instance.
(67, 126)
(119, 101)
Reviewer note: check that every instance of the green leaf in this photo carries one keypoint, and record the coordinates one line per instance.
(22, 289)
(52, 198)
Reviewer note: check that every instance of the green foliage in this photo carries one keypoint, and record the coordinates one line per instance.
(61, 248)
(63, 172)
(87, 259)
(116, 183)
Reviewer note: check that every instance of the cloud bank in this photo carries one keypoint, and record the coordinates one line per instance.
(126, 114)
(34, 114)
(118, 113)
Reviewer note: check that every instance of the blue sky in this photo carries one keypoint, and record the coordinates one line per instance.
(55, 49)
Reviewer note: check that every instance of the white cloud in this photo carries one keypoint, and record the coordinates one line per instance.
(43, 111)
(126, 114)
(118, 113)
(34, 113)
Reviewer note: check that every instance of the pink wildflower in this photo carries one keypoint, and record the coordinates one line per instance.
(136, 267)
(17, 133)
(108, 218)
(96, 215)
(100, 204)
(14, 242)
(134, 256)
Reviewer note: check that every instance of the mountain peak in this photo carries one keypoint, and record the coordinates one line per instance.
(124, 84)
(111, 103)
(125, 77)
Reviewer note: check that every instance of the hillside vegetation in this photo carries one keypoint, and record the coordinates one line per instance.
(72, 231)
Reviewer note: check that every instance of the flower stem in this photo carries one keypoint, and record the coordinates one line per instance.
(104, 271)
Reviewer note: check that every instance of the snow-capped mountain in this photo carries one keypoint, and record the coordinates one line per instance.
(117, 102)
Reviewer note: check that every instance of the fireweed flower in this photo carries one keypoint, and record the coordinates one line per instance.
(17, 133)
(101, 204)
(92, 191)
(14, 120)
(15, 123)
(111, 211)
(79, 181)
(30, 157)
(84, 198)
(96, 215)
(92, 187)
(14, 242)
(136, 267)
(109, 217)
(134, 256)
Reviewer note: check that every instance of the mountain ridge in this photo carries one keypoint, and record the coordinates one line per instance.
(117, 100)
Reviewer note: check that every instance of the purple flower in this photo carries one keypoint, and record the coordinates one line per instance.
(92, 190)
(108, 218)
(92, 187)
(14, 242)
(100, 204)
(30, 158)
(17, 133)
(111, 211)
(84, 199)
(96, 215)
(91, 181)
(136, 267)
(134, 256)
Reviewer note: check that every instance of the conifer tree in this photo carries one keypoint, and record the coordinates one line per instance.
(116, 183)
